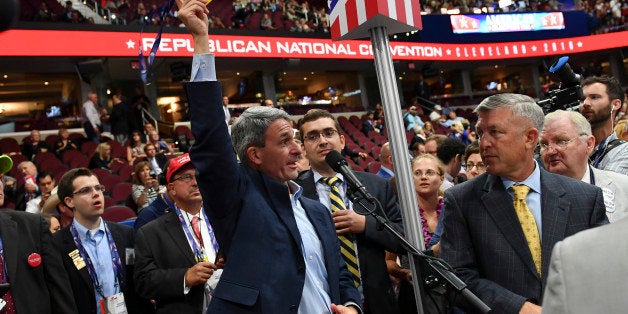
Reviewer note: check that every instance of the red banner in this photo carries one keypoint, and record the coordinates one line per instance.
(55, 43)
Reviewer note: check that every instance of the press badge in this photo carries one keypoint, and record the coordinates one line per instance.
(114, 304)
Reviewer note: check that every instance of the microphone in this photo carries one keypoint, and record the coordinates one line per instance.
(335, 160)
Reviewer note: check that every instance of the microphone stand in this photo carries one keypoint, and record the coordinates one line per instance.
(443, 270)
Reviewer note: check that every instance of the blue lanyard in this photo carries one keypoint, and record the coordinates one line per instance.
(145, 66)
(117, 264)
(199, 254)
(4, 264)
(167, 201)
(598, 153)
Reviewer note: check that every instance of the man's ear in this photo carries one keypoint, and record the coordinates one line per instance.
(254, 155)
(69, 202)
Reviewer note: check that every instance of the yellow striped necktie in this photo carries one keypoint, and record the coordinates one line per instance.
(347, 248)
(528, 224)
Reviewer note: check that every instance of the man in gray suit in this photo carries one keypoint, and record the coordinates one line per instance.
(566, 142)
(483, 237)
(588, 272)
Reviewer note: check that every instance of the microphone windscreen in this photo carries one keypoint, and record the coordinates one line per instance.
(334, 159)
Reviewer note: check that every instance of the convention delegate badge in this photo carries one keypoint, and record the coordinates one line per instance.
(34, 260)
(115, 304)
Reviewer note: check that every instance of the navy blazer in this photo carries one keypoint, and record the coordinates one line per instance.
(379, 296)
(483, 240)
(254, 222)
(40, 289)
(162, 256)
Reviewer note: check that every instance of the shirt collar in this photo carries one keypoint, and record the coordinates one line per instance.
(318, 176)
(295, 189)
(587, 175)
(83, 231)
(533, 181)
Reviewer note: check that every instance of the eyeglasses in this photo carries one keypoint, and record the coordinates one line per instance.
(314, 136)
(470, 165)
(89, 190)
(429, 173)
(562, 144)
(184, 178)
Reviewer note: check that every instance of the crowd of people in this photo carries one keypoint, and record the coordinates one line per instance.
(510, 204)
(303, 16)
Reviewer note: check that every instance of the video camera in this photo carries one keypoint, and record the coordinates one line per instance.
(569, 95)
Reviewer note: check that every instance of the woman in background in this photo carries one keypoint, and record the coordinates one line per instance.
(145, 186)
(428, 173)
(135, 148)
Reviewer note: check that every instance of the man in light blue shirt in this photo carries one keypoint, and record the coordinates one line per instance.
(95, 252)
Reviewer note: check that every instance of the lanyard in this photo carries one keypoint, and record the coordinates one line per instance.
(145, 66)
(117, 264)
(598, 153)
(4, 264)
(199, 253)
(167, 201)
(591, 176)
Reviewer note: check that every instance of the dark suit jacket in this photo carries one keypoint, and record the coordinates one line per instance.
(161, 160)
(379, 296)
(254, 222)
(483, 240)
(162, 256)
(80, 282)
(42, 289)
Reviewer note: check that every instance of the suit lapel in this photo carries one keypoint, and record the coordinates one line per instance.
(174, 229)
(555, 211)
(8, 232)
(70, 246)
(503, 213)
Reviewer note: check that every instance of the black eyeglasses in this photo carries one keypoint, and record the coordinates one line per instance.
(185, 178)
(89, 190)
(314, 136)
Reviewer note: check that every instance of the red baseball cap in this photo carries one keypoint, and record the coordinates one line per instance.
(176, 164)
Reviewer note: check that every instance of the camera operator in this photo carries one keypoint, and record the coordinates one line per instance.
(603, 97)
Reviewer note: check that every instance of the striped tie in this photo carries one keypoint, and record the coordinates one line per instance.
(528, 224)
(347, 248)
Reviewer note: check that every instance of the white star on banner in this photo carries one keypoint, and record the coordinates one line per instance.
(579, 44)
(130, 44)
(533, 48)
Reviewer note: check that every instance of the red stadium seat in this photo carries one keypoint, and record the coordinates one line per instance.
(118, 213)
(121, 191)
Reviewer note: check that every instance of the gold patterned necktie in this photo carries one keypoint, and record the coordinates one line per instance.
(528, 224)
(347, 248)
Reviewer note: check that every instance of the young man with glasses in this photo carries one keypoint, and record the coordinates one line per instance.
(97, 254)
(177, 262)
(320, 135)
(566, 143)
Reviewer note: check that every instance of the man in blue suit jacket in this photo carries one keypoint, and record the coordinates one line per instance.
(483, 239)
(281, 251)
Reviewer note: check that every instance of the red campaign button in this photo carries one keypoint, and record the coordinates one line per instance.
(34, 260)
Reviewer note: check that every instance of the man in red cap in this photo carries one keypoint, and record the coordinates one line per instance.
(176, 255)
